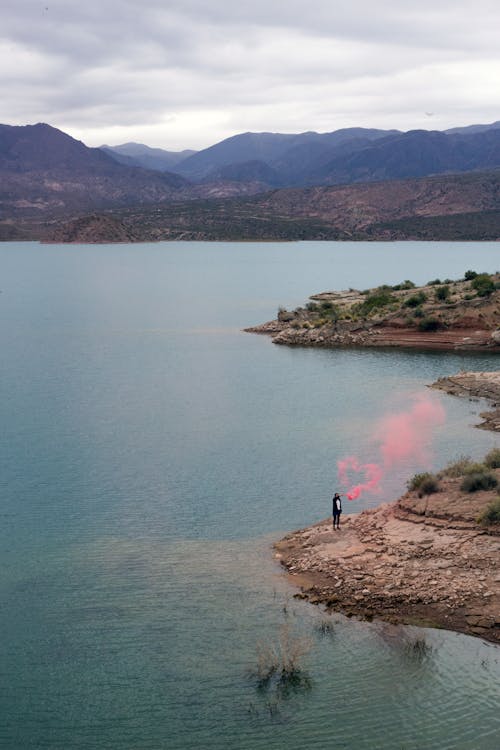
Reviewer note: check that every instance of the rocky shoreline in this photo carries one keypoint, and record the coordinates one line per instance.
(416, 561)
(449, 315)
(475, 385)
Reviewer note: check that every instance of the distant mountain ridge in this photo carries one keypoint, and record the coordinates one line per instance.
(46, 175)
(139, 155)
(43, 169)
(274, 150)
(343, 156)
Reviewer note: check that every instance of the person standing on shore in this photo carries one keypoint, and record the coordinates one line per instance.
(337, 510)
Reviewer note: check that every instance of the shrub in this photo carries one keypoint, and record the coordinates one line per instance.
(434, 282)
(475, 467)
(406, 284)
(458, 468)
(426, 484)
(428, 487)
(330, 310)
(429, 324)
(491, 514)
(415, 300)
(480, 481)
(469, 275)
(483, 284)
(381, 298)
(492, 459)
(312, 307)
(284, 316)
(442, 293)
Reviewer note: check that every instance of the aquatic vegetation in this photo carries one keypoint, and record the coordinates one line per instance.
(325, 628)
(279, 668)
(418, 649)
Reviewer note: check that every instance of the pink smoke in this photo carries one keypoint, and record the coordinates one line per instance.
(372, 476)
(401, 437)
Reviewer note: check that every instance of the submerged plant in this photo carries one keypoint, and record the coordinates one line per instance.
(325, 628)
(418, 649)
(279, 665)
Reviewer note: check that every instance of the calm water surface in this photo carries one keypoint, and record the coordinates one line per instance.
(151, 454)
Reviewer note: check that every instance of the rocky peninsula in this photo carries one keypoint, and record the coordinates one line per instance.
(476, 385)
(430, 558)
(448, 315)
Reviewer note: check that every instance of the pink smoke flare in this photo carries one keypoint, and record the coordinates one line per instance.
(402, 437)
(372, 476)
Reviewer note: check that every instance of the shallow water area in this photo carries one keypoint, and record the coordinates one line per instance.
(151, 454)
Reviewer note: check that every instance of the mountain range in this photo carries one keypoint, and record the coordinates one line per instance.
(342, 157)
(46, 176)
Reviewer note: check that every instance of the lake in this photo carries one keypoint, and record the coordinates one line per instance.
(151, 454)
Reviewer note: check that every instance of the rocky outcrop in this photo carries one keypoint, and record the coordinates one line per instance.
(447, 315)
(420, 560)
(476, 385)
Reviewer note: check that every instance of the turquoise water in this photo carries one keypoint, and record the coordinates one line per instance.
(151, 453)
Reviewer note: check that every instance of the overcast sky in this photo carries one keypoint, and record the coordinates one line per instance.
(188, 73)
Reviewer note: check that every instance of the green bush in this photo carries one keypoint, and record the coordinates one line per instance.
(429, 324)
(492, 459)
(379, 299)
(415, 300)
(425, 483)
(475, 467)
(483, 284)
(428, 486)
(491, 514)
(442, 293)
(330, 310)
(434, 282)
(406, 284)
(458, 468)
(469, 275)
(481, 481)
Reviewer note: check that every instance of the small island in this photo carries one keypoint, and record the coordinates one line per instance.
(443, 314)
(430, 558)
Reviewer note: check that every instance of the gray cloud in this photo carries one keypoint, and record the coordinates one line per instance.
(185, 74)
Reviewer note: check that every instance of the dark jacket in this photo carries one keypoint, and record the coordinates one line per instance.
(337, 504)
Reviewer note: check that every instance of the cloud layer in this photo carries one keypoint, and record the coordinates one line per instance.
(181, 74)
